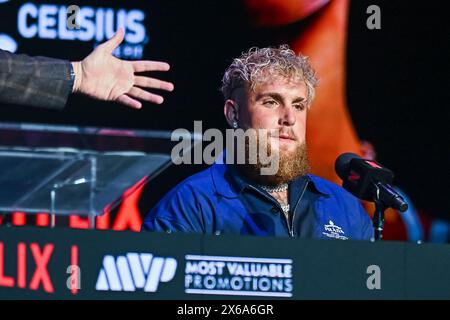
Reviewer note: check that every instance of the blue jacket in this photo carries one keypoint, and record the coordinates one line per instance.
(219, 200)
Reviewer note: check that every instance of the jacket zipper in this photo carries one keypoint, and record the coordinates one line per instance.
(292, 234)
(290, 226)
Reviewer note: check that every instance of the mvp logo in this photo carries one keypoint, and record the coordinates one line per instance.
(135, 271)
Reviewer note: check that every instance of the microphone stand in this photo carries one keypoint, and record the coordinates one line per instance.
(378, 216)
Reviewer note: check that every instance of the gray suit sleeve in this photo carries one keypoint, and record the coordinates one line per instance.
(34, 81)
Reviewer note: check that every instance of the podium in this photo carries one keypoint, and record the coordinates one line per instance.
(68, 170)
(146, 265)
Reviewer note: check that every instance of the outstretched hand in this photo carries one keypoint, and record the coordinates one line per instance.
(102, 76)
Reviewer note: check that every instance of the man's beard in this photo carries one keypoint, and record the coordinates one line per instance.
(291, 165)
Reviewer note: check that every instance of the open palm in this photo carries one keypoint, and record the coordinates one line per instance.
(102, 76)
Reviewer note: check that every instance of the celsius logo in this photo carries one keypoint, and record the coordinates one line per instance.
(135, 271)
(7, 43)
(50, 21)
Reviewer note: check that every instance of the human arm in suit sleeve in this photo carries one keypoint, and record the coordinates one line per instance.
(34, 81)
(47, 82)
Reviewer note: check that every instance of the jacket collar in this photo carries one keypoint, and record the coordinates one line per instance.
(230, 184)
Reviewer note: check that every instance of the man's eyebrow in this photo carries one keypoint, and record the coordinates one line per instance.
(276, 96)
(273, 95)
(299, 99)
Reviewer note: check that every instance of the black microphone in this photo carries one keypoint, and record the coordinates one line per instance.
(368, 180)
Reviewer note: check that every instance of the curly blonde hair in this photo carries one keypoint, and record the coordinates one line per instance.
(257, 64)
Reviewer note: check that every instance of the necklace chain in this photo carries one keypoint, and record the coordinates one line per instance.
(286, 208)
(281, 188)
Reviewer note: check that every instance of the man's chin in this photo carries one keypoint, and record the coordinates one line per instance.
(287, 149)
(292, 163)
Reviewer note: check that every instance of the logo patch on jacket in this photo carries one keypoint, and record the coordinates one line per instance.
(334, 231)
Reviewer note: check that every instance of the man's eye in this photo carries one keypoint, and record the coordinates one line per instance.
(270, 103)
(299, 106)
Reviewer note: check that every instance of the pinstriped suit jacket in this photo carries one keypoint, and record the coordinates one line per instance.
(34, 81)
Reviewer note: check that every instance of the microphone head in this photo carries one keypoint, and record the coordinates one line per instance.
(342, 164)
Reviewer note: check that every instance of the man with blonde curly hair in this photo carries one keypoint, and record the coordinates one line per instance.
(264, 89)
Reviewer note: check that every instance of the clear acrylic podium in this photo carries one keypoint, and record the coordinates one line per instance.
(64, 170)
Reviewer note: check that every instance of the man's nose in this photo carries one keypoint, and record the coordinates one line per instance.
(287, 116)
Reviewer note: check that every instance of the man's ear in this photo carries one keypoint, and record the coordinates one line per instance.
(231, 111)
